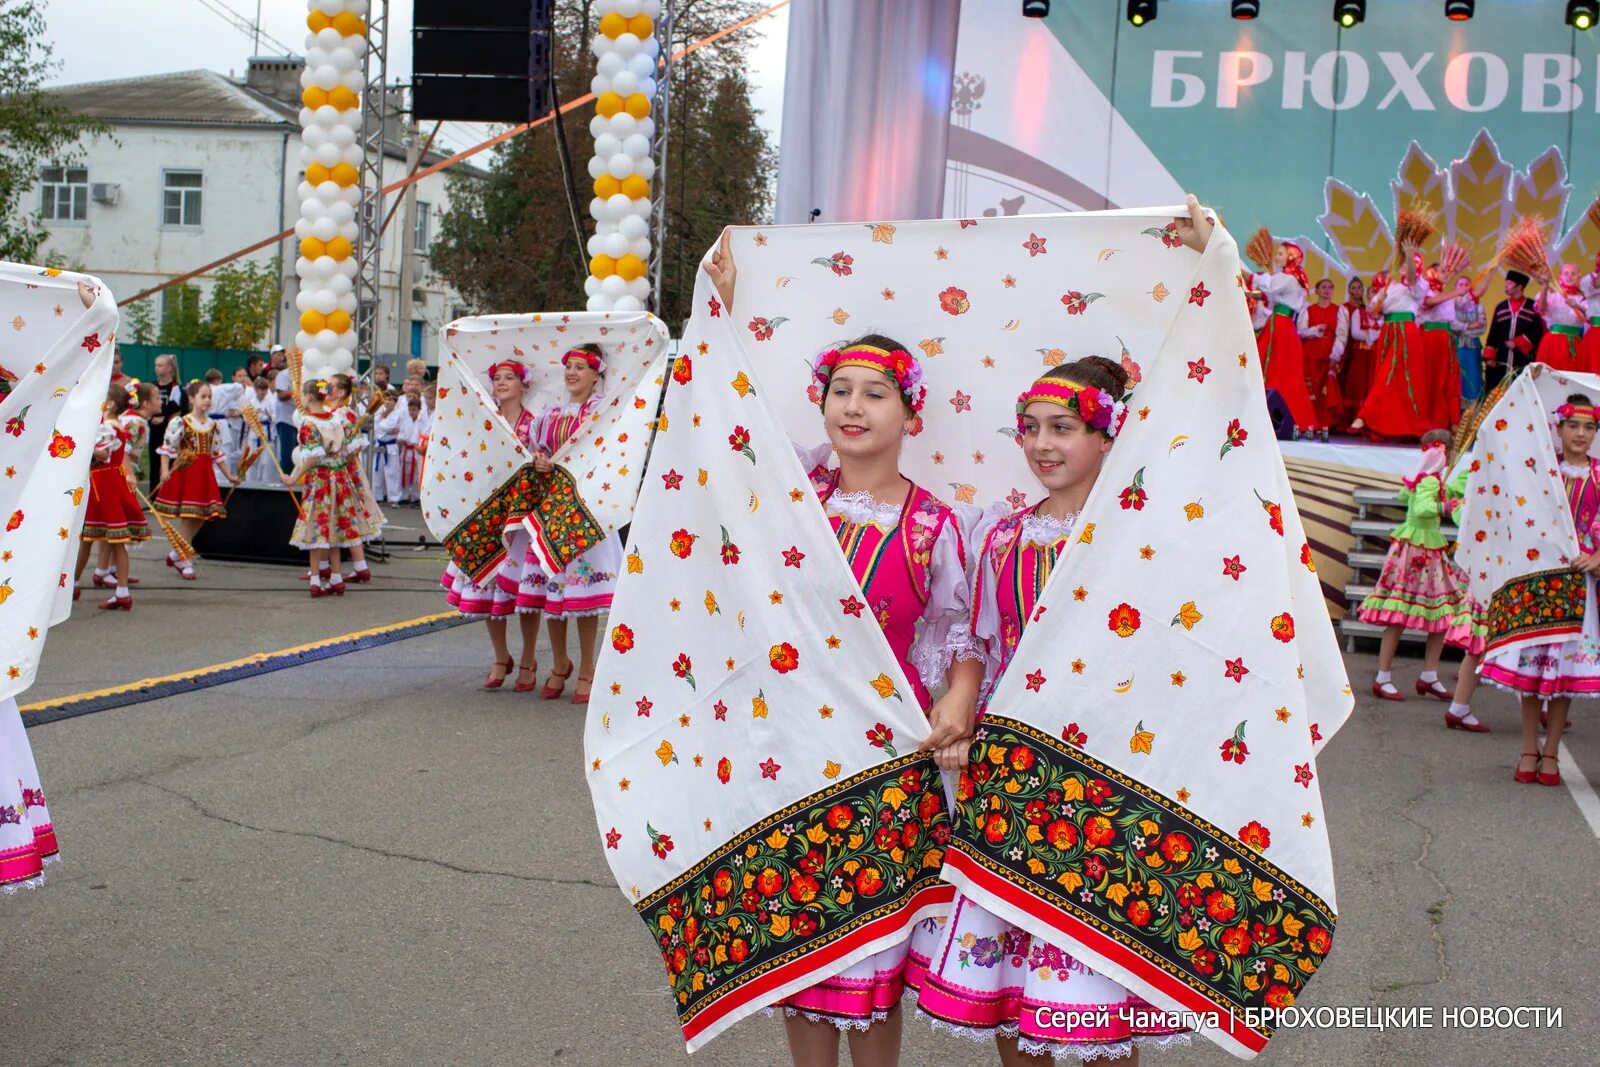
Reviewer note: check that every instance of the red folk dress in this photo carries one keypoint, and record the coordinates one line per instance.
(113, 514)
(194, 444)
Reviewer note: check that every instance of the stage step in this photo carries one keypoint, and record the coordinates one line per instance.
(1351, 628)
(1356, 592)
(1376, 498)
(1381, 529)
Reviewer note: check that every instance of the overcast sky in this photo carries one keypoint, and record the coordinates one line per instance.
(97, 40)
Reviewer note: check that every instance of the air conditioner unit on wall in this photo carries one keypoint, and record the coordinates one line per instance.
(105, 192)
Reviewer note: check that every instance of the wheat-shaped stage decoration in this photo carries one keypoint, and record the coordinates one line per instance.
(180, 544)
(1524, 249)
(1593, 212)
(1415, 226)
(1261, 248)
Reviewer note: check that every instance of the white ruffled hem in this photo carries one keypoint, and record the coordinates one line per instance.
(1111, 1050)
(838, 1023)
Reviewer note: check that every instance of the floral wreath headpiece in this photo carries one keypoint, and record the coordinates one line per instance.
(1096, 407)
(597, 363)
(899, 365)
(131, 386)
(1574, 411)
(519, 369)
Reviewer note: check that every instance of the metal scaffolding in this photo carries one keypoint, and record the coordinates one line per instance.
(662, 112)
(369, 215)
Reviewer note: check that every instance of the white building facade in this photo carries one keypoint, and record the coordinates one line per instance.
(198, 166)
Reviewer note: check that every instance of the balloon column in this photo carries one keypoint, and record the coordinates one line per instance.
(626, 50)
(331, 192)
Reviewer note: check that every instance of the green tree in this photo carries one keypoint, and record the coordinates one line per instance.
(181, 324)
(34, 133)
(139, 323)
(243, 302)
(506, 243)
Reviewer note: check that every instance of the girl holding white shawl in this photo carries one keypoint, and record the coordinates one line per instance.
(1556, 671)
(905, 548)
(988, 977)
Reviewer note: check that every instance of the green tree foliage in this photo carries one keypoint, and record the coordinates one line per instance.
(181, 324)
(243, 301)
(507, 242)
(34, 133)
(139, 323)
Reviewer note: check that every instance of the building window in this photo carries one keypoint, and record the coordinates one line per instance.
(180, 197)
(419, 239)
(64, 193)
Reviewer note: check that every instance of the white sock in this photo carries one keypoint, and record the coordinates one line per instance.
(1429, 677)
(173, 555)
(1383, 677)
(361, 565)
(122, 592)
(101, 572)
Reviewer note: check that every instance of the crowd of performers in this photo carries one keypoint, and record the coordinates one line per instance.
(1408, 351)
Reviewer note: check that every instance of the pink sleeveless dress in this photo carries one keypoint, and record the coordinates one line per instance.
(986, 977)
(910, 562)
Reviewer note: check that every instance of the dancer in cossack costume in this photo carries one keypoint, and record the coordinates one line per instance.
(1417, 588)
(191, 453)
(1565, 311)
(906, 550)
(1516, 331)
(113, 517)
(987, 978)
(335, 510)
(1282, 358)
(584, 589)
(494, 600)
(1397, 406)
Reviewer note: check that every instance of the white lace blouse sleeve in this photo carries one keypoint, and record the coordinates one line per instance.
(170, 439)
(813, 456)
(944, 633)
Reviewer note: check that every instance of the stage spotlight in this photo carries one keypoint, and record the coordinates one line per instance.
(1246, 9)
(1458, 10)
(1582, 14)
(1036, 9)
(1348, 13)
(1141, 11)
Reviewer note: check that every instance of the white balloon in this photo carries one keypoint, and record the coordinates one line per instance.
(621, 125)
(316, 55)
(629, 8)
(600, 44)
(639, 288)
(302, 266)
(302, 300)
(642, 66)
(324, 229)
(651, 47)
(341, 285)
(341, 213)
(615, 245)
(652, 8)
(611, 65)
(613, 286)
(620, 166)
(356, 7)
(599, 85)
(356, 80)
(347, 267)
(606, 146)
(633, 227)
(349, 231)
(327, 77)
(324, 301)
(313, 136)
(619, 206)
(347, 340)
(325, 265)
(343, 58)
(597, 166)
(598, 302)
(598, 124)
(646, 128)
(605, 7)
(302, 228)
(350, 194)
(595, 245)
(647, 88)
(591, 285)
(307, 116)
(328, 38)
(639, 246)
(625, 84)
(305, 190)
(308, 155)
(302, 340)
(640, 207)
(344, 360)
(626, 45)
(636, 147)
(343, 135)
(327, 340)
(347, 302)
(628, 303)
(598, 209)
(328, 155)
(328, 117)
(646, 169)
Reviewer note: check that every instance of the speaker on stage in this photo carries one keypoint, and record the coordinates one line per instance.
(481, 60)
(260, 519)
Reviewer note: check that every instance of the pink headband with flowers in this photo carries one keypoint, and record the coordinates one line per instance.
(594, 361)
(1576, 411)
(899, 365)
(1095, 407)
(519, 369)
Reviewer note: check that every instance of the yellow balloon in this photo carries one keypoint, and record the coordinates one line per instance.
(344, 174)
(350, 24)
(606, 187)
(340, 248)
(316, 174)
(634, 187)
(638, 106)
(343, 98)
(312, 247)
(318, 21)
(641, 26)
(630, 267)
(313, 321)
(314, 97)
(339, 321)
(613, 25)
(603, 266)
(608, 104)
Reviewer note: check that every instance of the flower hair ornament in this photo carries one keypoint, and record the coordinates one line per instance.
(899, 365)
(519, 369)
(596, 362)
(1577, 411)
(132, 388)
(1096, 407)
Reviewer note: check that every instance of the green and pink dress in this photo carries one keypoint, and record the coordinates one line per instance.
(1418, 587)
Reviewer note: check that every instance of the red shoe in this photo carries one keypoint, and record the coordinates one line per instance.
(1526, 777)
(77, 592)
(581, 698)
(186, 572)
(1549, 779)
(359, 576)
(533, 679)
(556, 684)
(1459, 722)
(495, 683)
(1434, 689)
(117, 603)
(1391, 693)
(317, 592)
(101, 583)
(336, 589)
(133, 581)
